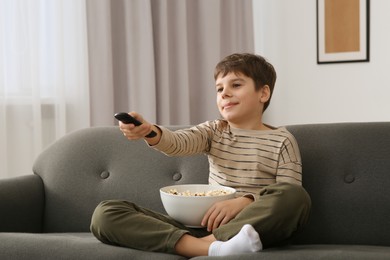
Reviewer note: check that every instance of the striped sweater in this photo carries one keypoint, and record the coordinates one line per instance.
(247, 160)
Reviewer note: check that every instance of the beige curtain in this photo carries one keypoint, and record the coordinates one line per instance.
(157, 57)
(70, 64)
(44, 88)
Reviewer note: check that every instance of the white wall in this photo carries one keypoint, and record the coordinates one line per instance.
(305, 92)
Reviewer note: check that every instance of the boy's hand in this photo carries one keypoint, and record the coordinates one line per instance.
(133, 132)
(224, 211)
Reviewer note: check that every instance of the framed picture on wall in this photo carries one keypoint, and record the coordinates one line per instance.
(342, 31)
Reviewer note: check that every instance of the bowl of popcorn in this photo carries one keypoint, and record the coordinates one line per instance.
(188, 203)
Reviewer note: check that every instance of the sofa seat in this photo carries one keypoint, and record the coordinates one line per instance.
(316, 252)
(83, 245)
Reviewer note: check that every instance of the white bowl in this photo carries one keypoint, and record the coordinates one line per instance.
(189, 210)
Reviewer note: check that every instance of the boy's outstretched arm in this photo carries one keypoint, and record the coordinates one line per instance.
(133, 132)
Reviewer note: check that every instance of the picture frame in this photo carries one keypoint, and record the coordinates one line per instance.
(342, 31)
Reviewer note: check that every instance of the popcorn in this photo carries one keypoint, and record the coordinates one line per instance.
(199, 194)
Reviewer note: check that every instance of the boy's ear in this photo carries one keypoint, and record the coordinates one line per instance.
(265, 94)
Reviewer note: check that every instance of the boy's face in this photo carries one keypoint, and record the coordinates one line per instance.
(238, 101)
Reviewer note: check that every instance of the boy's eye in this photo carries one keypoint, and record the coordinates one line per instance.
(236, 85)
(219, 90)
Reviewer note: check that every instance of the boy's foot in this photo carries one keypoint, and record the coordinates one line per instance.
(246, 241)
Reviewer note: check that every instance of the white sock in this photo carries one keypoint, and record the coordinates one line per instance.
(246, 241)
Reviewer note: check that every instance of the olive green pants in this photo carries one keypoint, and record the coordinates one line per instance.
(280, 211)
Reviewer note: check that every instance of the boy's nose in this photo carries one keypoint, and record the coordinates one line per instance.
(226, 93)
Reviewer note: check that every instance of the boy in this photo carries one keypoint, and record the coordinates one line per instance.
(261, 162)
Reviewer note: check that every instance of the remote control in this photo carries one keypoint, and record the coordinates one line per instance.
(128, 119)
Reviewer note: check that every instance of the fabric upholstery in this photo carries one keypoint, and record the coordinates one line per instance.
(346, 171)
(314, 252)
(95, 164)
(21, 204)
(70, 246)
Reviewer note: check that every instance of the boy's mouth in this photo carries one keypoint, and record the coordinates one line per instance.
(229, 105)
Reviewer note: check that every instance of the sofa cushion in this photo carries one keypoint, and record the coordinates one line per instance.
(94, 164)
(310, 252)
(346, 171)
(27, 246)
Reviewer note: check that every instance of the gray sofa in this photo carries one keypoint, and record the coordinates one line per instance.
(346, 171)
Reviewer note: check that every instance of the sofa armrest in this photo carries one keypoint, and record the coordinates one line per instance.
(21, 204)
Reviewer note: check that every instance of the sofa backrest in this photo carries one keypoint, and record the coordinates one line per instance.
(94, 164)
(346, 171)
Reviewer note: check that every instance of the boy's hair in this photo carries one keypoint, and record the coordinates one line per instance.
(251, 65)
